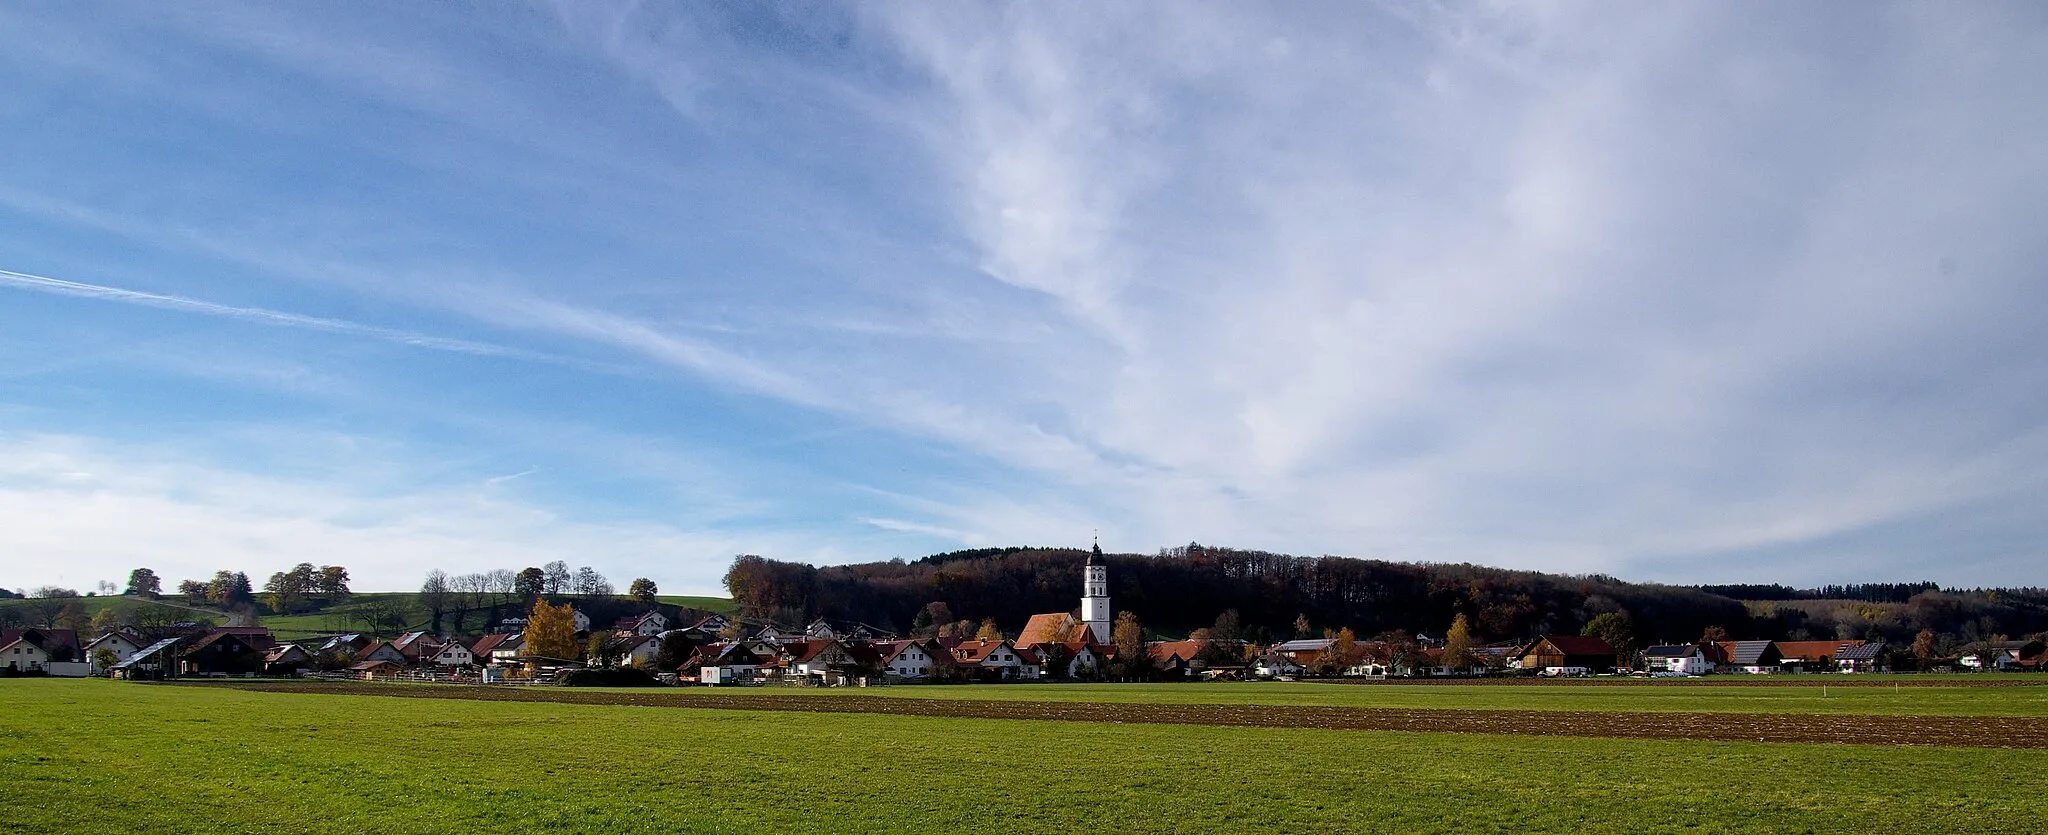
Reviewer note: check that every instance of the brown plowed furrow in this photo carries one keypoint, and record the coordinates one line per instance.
(1955, 731)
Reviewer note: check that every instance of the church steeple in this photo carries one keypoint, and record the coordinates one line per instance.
(1095, 595)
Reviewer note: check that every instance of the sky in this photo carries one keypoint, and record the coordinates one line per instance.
(1693, 292)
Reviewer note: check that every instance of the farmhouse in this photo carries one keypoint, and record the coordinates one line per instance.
(34, 650)
(1688, 659)
(1569, 655)
(636, 650)
(1754, 657)
(994, 660)
(451, 654)
(124, 645)
(906, 659)
(1862, 658)
(383, 651)
(220, 652)
(286, 660)
(1810, 656)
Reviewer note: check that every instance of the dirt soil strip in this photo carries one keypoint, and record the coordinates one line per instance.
(1814, 680)
(1951, 731)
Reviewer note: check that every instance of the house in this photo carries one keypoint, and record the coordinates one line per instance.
(350, 644)
(1276, 665)
(124, 645)
(820, 630)
(382, 651)
(911, 660)
(496, 648)
(286, 660)
(648, 623)
(728, 663)
(371, 669)
(820, 659)
(257, 637)
(416, 647)
(36, 650)
(1687, 659)
(157, 660)
(450, 654)
(1569, 655)
(1755, 657)
(636, 650)
(1304, 651)
(994, 660)
(220, 653)
(1809, 656)
(2004, 655)
(1076, 659)
(1862, 658)
(581, 620)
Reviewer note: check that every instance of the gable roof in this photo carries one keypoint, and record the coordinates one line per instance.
(486, 644)
(47, 640)
(1048, 628)
(1578, 644)
(156, 652)
(975, 652)
(1812, 650)
(1305, 645)
(1671, 651)
(1750, 653)
(218, 636)
(1861, 652)
(132, 640)
(282, 651)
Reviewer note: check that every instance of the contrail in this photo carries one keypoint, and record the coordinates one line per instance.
(45, 284)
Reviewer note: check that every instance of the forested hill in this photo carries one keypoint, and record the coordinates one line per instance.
(1181, 589)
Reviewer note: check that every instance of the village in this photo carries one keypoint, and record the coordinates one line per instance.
(1086, 645)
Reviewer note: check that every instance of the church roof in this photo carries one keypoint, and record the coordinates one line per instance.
(1095, 554)
(1048, 628)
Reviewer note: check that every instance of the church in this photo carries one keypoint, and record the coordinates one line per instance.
(1094, 625)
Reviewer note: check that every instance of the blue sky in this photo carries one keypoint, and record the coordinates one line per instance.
(1712, 292)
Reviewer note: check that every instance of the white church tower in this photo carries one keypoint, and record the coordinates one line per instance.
(1095, 596)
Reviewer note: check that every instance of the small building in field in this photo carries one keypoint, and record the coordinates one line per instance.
(1568, 655)
(1862, 658)
(1753, 657)
(728, 663)
(156, 661)
(1688, 659)
(367, 670)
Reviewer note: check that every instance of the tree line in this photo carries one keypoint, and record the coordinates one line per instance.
(1276, 596)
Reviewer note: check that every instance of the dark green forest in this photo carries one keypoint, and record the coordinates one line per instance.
(1181, 589)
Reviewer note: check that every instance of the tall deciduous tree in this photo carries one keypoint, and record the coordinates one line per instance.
(143, 582)
(601, 652)
(557, 576)
(1128, 637)
(551, 630)
(643, 590)
(1458, 646)
(530, 583)
(333, 581)
(988, 631)
(1923, 648)
(434, 594)
(1617, 631)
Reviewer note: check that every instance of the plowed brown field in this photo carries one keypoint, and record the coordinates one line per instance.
(1956, 731)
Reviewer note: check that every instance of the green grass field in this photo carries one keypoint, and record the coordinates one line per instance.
(341, 617)
(1653, 696)
(97, 756)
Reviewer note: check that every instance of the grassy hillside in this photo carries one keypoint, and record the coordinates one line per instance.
(344, 616)
(98, 756)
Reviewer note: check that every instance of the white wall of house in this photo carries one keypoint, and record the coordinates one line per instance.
(1692, 665)
(24, 656)
(454, 655)
(912, 662)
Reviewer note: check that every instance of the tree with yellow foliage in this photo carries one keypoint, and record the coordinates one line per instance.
(551, 631)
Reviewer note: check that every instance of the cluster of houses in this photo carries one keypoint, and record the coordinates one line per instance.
(716, 650)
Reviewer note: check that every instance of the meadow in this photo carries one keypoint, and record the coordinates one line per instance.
(98, 756)
(2025, 695)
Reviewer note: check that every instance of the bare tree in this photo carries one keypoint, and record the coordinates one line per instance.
(556, 577)
(467, 593)
(434, 595)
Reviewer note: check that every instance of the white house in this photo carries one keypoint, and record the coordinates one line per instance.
(454, 654)
(906, 659)
(382, 651)
(996, 659)
(123, 645)
(22, 654)
(582, 620)
(1275, 665)
(637, 650)
(1676, 658)
(649, 623)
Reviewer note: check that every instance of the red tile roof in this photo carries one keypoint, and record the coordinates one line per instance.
(1580, 644)
(1049, 628)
